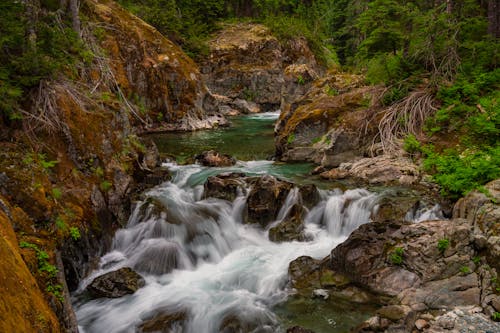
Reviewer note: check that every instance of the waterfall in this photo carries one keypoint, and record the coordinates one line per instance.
(199, 259)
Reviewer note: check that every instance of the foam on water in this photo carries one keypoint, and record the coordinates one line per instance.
(199, 258)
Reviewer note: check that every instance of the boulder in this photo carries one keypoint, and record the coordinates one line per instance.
(265, 199)
(115, 284)
(310, 195)
(369, 255)
(224, 186)
(291, 228)
(212, 158)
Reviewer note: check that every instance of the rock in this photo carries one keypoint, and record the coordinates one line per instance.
(394, 312)
(245, 106)
(21, 296)
(266, 197)
(212, 158)
(352, 294)
(446, 293)
(395, 207)
(115, 284)
(321, 293)
(310, 195)
(291, 228)
(224, 186)
(483, 213)
(247, 63)
(147, 64)
(420, 324)
(163, 321)
(323, 127)
(381, 169)
(303, 272)
(334, 174)
(298, 329)
(246, 322)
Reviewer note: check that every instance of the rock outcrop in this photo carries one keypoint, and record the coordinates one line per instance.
(330, 124)
(428, 266)
(250, 70)
(23, 306)
(158, 75)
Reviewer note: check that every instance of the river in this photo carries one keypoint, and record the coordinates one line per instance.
(204, 265)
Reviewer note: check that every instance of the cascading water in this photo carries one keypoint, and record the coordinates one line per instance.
(200, 260)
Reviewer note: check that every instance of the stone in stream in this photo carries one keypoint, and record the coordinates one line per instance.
(267, 196)
(310, 195)
(291, 228)
(224, 186)
(116, 284)
(213, 158)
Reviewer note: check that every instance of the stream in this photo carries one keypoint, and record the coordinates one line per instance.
(202, 264)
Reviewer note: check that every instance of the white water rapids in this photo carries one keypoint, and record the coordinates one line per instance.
(198, 257)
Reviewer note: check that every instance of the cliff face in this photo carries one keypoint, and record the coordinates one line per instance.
(70, 166)
(153, 72)
(247, 63)
(23, 306)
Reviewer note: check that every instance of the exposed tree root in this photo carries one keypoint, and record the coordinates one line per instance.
(403, 118)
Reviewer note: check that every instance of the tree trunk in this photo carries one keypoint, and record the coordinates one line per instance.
(494, 18)
(75, 18)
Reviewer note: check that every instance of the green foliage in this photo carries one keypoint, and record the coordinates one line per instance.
(300, 80)
(56, 290)
(290, 139)
(74, 233)
(443, 244)
(495, 316)
(465, 270)
(330, 91)
(26, 58)
(60, 224)
(458, 173)
(43, 259)
(396, 256)
(106, 185)
(476, 260)
(412, 145)
(316, 140)
(56, 193)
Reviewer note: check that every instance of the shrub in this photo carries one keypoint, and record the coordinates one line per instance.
(443, 244)
(396, 256)
(495, 316)
(74, 233)
(458, 173)
(411, 144)
(465, 270)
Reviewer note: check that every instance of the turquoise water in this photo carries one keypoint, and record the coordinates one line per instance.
(250, 137)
